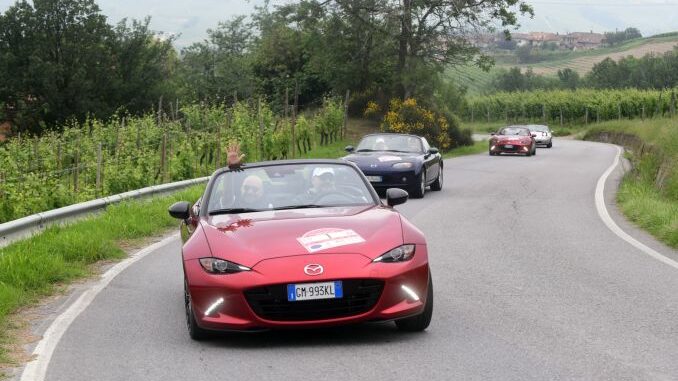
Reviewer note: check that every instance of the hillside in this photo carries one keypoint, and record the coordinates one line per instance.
(477, 80)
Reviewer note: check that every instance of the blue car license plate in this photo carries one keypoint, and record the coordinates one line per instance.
(314, 291)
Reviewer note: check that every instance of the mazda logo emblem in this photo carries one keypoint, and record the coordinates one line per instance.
(373, 165)
(313, 269)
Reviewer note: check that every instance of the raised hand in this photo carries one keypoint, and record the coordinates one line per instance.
(234, 157)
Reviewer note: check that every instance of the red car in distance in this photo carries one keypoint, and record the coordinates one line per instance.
(300, 243)
(513, 139)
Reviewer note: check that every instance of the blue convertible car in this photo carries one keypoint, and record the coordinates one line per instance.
(398, 161)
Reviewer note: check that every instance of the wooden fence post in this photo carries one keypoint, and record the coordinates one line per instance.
(561, 116)
(488, 114)
(76, 169)
(586, 117)
(218, 153)
(543, 112)
(287, 101)
(471, 113)
(618, 111)
(642, 113)
(163, 157)
(597, 115)
(343, 127)
(261, 131)
(98, 183)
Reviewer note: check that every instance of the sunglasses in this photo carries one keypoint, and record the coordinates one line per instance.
(250, 188)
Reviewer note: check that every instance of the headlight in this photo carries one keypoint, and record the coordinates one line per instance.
(399, 254)
(403, 165)
(219, 266)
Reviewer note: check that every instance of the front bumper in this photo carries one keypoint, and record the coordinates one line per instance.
(394, 179)
(510, 148)
(245, 293)
(543, 141)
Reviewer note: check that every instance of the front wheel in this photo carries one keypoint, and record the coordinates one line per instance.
(438, 184)
(419, 322)
(194, 330)
(549, 145)
(418, 190)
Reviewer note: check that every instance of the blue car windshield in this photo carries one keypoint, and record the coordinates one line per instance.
(390, 142)
(289, 186)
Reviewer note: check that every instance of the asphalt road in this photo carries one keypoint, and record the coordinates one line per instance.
(529, 284)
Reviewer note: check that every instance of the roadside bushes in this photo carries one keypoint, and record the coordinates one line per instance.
(440, 129)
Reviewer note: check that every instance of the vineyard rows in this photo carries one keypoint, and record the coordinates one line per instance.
(571, 106)
(98, 158)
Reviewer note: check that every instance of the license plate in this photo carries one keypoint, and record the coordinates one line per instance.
(313, 291)
(509, 146)
(374, 179)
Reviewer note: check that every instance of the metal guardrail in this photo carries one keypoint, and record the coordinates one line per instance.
(16, 229)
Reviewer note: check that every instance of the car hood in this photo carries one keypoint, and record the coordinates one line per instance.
(249, 238)
(374, 160)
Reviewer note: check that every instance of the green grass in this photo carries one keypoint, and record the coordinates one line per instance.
(39, 266)
(331, 151)
(649, 203)
(477, 147)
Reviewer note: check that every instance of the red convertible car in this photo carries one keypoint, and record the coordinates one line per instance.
(513, 139)
(303, 243)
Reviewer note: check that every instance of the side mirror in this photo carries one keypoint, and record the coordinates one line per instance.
(349, 149)
(433, 150)
(492, 133)
(396, 196)
(534, 134)
(180, 210)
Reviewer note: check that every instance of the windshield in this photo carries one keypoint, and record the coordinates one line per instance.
(292, 186)
(539, 128)
(397, 143)
(514, 131)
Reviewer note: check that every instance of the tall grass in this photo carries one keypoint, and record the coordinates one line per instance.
(648, 196)
(34, 268)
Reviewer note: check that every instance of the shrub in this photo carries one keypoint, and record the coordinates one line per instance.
(439, 129)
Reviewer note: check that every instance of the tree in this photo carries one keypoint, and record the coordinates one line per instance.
(59, 53)
(221, 65)
(430, 34)
(569, 79)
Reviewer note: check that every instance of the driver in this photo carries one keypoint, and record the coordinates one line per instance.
(380, 145)
(252, 193)
(322, 180)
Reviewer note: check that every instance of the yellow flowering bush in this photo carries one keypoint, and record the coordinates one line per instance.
(408, 117)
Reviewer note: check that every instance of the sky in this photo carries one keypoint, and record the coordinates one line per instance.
(191, 19)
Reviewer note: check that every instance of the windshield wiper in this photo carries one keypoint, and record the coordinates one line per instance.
(233, 210)
(396, 150)
(301, 206)
(365, 150)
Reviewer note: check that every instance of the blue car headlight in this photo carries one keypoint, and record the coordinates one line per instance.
(403, 165)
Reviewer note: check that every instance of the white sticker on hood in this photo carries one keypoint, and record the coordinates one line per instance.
(321, 239)
(389, 158)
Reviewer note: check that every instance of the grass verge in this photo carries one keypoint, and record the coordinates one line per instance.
(477, 147)
(41, 265)
(648, 195)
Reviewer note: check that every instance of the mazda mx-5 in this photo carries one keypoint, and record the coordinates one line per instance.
(399, 161)
(303, 243)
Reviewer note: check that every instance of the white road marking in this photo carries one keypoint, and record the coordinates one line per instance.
(37, 369)
(605, 216)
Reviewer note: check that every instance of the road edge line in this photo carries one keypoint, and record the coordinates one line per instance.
(609, 222)
(36, 369)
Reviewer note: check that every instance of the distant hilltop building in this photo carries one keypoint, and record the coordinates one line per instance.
(571, 41)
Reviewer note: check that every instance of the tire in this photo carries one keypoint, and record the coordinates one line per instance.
(194, 331)
(528, 153)
(534, 152)
(549, 145)
(418, 191)
(419, 322)
(438, 184)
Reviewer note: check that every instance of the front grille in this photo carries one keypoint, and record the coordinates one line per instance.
(270, 302)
